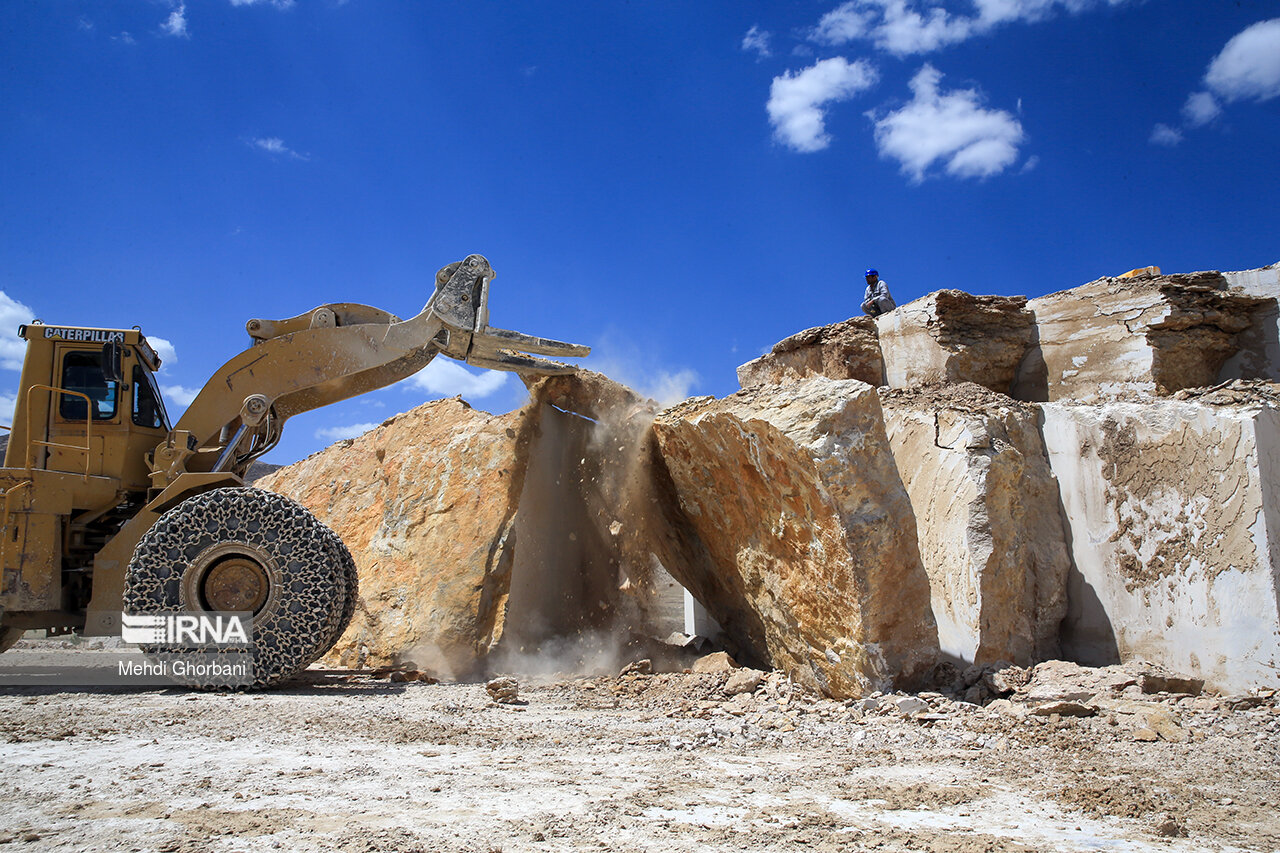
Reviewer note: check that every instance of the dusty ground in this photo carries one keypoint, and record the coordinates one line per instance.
(639, 762)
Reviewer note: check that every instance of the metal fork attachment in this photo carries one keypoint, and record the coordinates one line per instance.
(461, 303)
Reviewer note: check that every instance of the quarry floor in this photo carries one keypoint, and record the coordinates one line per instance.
(640, 762)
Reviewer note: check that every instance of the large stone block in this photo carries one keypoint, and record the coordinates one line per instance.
(845, 350)
(1174, 517)
(988, 521)
(426, 503)
(950, 336)
(809, 552)
(1259, 354)
(1145, 335)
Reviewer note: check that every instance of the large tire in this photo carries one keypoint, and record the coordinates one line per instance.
(244, 549)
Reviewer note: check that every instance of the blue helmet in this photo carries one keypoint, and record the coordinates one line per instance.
(872, 272)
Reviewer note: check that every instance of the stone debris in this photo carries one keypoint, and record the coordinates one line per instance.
(1157, 682)
(1160, 721)
(639, 667)
(714, 662)
(1064, 709)
(743, 681)
(908, 705)
(503, 690)
(664, 761)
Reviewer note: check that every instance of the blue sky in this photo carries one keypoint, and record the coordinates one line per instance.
(678, 184)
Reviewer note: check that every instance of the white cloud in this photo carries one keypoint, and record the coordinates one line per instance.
(275, 145)
(179, 394)
(338, 433)
(757, 41)
(176, 25)
(845, 23)
(164, 349)
(1249, 66)
(796, 99)
(994, 12)
(951, 128)
(279, 4)
(124, 37)
(903, 27)
(1200, 109)
(7, 405)
(1163, 134)
(12, 315)
(448, 378)
(903, 31)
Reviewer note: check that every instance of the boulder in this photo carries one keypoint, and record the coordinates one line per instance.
(987, 520)
(743, 681)
(846, 350)
(714, 662)
(1174, 532)
(950, 336)
(426, 503)
(808, 555)
(1145, 335)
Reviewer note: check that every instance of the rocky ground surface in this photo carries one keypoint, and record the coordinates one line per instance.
(1068, 759)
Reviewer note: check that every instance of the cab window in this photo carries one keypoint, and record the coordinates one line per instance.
(148, 408)
(82, 372)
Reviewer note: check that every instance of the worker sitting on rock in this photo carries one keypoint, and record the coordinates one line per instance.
(877, 300)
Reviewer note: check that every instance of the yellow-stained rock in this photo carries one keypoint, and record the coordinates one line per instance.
(426, 503)
(809, 558)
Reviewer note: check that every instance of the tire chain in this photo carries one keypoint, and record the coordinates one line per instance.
(309, 595)
(340, 618)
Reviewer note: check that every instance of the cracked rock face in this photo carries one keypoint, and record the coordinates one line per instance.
(426, 503)
(990, 532)
(1175, 534)
(950, 336)
(845, 350)
(1146, 335)
(810, 554)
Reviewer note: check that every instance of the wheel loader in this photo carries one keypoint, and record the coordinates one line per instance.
(109, 510)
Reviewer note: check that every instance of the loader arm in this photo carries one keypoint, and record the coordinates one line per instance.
(335, 352)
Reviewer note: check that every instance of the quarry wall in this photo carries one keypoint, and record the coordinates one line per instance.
(1089, 475)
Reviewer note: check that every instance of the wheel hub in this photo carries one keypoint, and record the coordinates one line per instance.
(235, 584)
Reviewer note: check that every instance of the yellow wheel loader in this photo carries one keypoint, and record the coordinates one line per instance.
(107, 509)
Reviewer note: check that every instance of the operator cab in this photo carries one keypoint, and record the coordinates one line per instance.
(89, 403)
